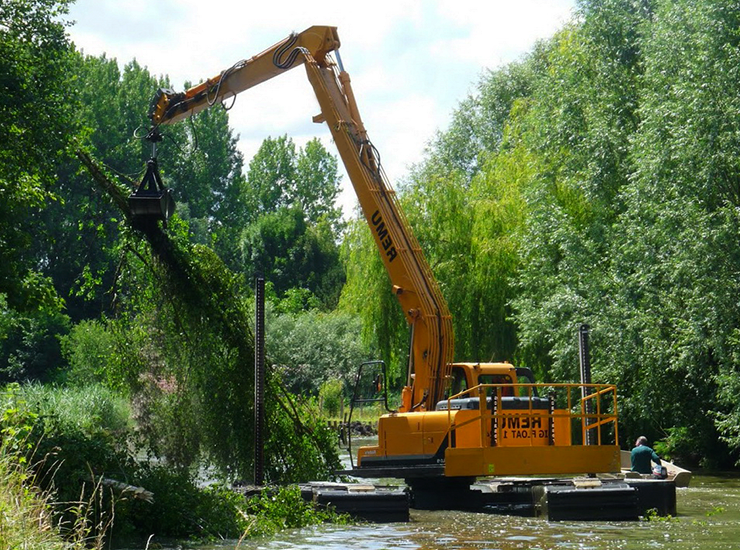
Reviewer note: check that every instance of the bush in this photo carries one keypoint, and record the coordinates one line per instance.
(180, 509)
(69, 443)
(301, 446)
(89, 408)
(314, 347)
(29, 471)
(26, 521)
(87, 349)
(286, 509)
(183, 509)
(331, 395)
(29, 344)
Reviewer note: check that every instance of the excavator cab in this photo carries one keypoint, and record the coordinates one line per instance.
(151, 201)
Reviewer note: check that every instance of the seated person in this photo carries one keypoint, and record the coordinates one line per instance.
(642, 455)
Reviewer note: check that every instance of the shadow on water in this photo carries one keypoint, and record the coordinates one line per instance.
(709, 517)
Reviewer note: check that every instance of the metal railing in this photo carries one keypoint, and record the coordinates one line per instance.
(563, 409)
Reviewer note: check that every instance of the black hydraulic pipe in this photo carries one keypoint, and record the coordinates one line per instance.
(584, 354)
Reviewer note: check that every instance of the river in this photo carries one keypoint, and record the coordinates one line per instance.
(708, 518)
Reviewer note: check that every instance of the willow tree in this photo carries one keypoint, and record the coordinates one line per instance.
(185, 349)
(464, 203)
(675, 256)
(368, 294)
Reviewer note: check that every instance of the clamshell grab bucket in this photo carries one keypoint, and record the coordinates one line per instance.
(154, 206)
(152, 200)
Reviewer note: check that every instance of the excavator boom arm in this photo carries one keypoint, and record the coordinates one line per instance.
(411, 277)
(168, 106)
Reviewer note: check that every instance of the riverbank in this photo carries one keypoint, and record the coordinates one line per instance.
(70, 464)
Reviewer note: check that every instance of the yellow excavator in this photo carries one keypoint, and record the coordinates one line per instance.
(456, 421)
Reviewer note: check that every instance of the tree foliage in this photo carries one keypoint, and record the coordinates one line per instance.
(280, 176)
(37, 125)
(629, 226)
(294, 226)
(312, 347)
(188, 365)
(35, 119)
(675, 252)
(77, 238)
(205, 171)
(368, 294)
(291, 254)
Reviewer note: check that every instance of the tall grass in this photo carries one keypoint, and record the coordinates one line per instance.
(26, 518)
(32, 515)
(89, 409)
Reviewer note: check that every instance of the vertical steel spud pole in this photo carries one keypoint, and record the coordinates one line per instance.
(259, 380)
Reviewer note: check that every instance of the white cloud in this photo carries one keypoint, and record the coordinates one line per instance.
(499, 31)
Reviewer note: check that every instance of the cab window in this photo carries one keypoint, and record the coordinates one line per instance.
(459, 381)
(525, 376)
(497, 379)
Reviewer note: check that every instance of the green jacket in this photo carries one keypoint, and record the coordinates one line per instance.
(641, 457)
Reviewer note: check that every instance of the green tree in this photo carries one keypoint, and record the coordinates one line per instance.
(281, 176)
(295, 223)
(675, 256)
(290, 253)
(206, 175)
(500, 214)
(437, 207)
(317, 184)
(478, 123)
(465, 202)
(579, 124)
(76, 241)
(368, 294)
(37, 124)
(181, 343)
(271, 177)
(313, 347)
(87, 349)
(29, 338)
(35, 120)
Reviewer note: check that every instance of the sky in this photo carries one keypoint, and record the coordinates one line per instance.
(411, 61)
